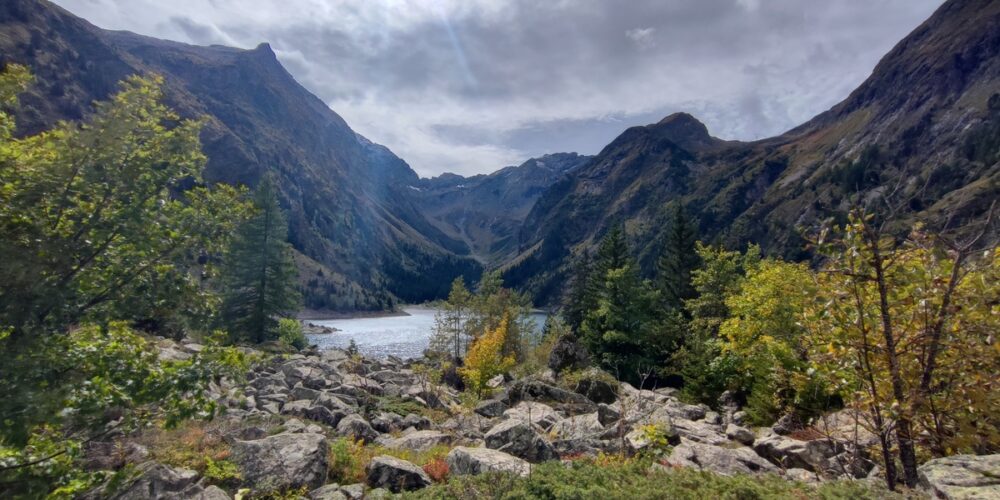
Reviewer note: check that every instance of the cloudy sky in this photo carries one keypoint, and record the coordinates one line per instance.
(469, 86)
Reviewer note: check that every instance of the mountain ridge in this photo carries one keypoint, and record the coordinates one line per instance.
(348, 204)
(922, 126)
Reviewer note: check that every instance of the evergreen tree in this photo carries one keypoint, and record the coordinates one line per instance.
(259, 275)
(620, 328)
(582, 296)
(451, 322)
(678, 259)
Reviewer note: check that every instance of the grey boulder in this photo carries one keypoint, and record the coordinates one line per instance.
(396, 474)
(283, 461)
(463, 460)
(962, 477)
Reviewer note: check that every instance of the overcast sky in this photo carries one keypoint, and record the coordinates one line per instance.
(470, 86)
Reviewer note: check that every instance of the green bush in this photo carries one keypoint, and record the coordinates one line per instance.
(636, 480)
(290, 332)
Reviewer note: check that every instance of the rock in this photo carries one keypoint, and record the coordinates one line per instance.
(788, 453)
(713, 418)
(521, 440)
(607, 415)
(740, 434)
(700, 431)
(639, 438)
(357, 428)
(355, 491)
(787, 424)
(495, 382)
(154, 480)
(568, 354)
(796, 474)
(962, 476)
(491, 408)
(396, 474)
(306, 409)
(328, 492)
(536, 390)
(578, 427)
(677, 409)
(418, 422)
(740, 418)
(463, 460)
(596, 385)
(419, 440)
(725, 461)
(847, 426)
(283, 461)
(387, 422)
(539, 414)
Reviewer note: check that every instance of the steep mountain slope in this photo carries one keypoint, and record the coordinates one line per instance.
(486, 211)
(350, 208)
(922, 131)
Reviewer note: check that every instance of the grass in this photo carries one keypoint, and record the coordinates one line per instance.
(634, 480)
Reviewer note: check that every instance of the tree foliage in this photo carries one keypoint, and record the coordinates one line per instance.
(486, 358)
(104, 226)
(679, 258)
(259, 276)
(92, 225)
(907, 332)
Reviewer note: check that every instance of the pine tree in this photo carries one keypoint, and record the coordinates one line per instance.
(582, 296)
(451, 322)
(678, 259)
(620, 326)
(258, 274)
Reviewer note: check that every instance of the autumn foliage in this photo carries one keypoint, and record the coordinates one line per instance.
(486, 360)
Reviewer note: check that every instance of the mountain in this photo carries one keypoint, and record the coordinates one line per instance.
(352, 214)
(923, 131)
(487, 211)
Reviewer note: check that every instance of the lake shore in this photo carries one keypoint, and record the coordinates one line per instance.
(313, 315)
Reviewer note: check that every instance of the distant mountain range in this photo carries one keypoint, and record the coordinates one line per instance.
(486, 211)
(924, 128)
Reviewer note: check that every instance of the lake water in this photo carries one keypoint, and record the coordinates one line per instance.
(401, 336)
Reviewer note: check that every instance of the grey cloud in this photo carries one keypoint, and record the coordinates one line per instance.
(476, 84)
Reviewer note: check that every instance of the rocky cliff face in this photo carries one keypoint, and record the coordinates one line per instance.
(486, 211)
(351, 211)
(921, 132)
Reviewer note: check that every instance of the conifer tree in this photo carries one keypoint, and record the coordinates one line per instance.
(259, 275)
(678, 259)
(451, 322)
(582, 296)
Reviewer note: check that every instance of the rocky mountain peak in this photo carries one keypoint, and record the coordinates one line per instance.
(685, 131)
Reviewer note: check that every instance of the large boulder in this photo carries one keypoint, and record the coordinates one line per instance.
(282, 461)
(317, 413)
(700, 431)
(578, 427)
(568, 354)
(356, 427)
(596, 385)
(848, 426)
(155, 481)
(539, 414)
(725, 461)
(419, 440)
(786, 452)
(520, 439)
(739, 434)
(396, 474)
(490, 408)
(464, 460)
(537, 390)
(962, 476)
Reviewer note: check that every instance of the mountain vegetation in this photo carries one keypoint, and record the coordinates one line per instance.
(812, 315)
(920, 130)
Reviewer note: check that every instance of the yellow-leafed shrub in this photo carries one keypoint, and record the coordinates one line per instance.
(485, 359)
